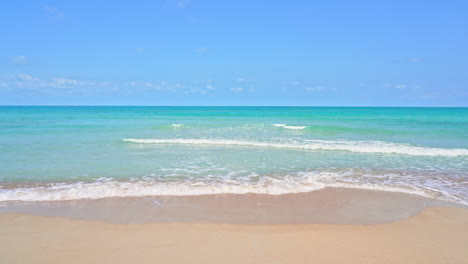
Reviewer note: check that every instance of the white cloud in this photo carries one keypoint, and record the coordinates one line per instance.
(182, 3)
(25, 82)
(243, 85)
(64, 82)
(237, 90)
(132, 84)
(166, 86)
(407, 87)
(314, 89)
(28, 82)
(26, 77)
(20, 59)
(145, 86)
(201, 50)
(54, 12)
(400, 86)
(417, 88)
(197, 90)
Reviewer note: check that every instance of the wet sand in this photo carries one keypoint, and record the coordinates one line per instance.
(436, 235)
(333, 225)
(327, 206)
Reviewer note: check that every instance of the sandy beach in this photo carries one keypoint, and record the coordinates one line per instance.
(436, 235)
(233, 132)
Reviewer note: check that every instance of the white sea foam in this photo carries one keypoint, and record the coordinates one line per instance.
(428, 185)
(177, 125)
(289, 127)
(337, 145)
(105, 189)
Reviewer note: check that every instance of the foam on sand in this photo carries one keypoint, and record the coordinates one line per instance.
(106, 188)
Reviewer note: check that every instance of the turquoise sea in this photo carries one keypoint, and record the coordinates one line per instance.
(84, 152)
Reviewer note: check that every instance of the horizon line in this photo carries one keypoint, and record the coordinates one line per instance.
(375, 106)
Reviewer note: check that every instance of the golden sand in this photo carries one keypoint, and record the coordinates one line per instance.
(436, 235)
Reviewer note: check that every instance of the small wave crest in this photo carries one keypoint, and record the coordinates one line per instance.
(336, 145)
(111, 188)
(177, 125)
(424, 183)
(289, 127)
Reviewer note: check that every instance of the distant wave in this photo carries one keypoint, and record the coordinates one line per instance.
(289, 127)
(337, 145)
(177, 125)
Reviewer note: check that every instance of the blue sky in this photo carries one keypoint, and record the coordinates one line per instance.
(194, 52)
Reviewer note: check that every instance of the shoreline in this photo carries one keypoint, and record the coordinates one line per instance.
(435, 235)
(326, 206)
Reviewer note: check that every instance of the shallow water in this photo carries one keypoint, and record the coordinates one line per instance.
(67, 153)
(326, 206)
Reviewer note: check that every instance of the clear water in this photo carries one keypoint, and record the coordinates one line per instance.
(65, 153)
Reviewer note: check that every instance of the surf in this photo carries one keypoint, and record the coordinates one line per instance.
(289, 126)
(312, 145)
(108, 188)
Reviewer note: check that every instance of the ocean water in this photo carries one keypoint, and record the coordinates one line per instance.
(67, 153)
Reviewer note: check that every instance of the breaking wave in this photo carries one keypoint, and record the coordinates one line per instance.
(288, 126)
(301, 182)
(337, 145)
